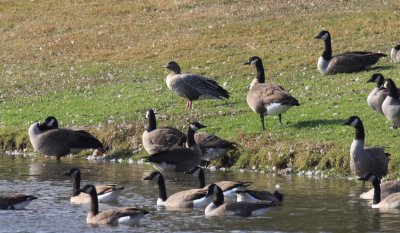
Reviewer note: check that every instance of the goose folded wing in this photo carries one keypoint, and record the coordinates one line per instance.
(209, 140)
(205, 86)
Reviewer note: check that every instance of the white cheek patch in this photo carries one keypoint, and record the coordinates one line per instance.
(147, 114)
(325, 36)
(371, 178)
(354, 123)
(75, 173)
(50, 123)
(254, 61)
(193, 127)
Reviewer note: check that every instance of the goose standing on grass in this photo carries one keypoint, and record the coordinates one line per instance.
(267, 99)
(105, 193)
(391, 105)
(155, 139)
(391, 201)
(378, 94)
(365, 160)
(50, 140)
(179, 159)
(212, 147)
(395, 53)
(15, 201)
(242, 209)
(387, 188)
(193, 86)
(229, 188)
(255, 196)
(192, 198)
(128, 216)
(348, 62)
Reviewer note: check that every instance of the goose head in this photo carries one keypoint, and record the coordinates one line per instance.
(253, 61)
(353, 121)
(323, 35)
(173, 66)
(377, 78)
(154, 176)
(49, 123)
(194, 171)
(196, 126)
(397, 47)
(150, 114)
(73, 172)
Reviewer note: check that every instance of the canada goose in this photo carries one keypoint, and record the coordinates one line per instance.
(229, 188)
(346, 62)
(267, 99)
(179, 159)
(193, 86)
(192, 198)
(394, 53)
(129, 216)
(387, 188)
(15, 201)
(50, 140)
(255, 196)
(105, 193)
(391, 105)
(243, 209)
(160, 139)
(378, 94)
(364, 160)
(212, 147)
(391, 201)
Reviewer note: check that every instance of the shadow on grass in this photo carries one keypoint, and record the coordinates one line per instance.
(320, 122)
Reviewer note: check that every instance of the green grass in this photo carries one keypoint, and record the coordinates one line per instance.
(100, 64)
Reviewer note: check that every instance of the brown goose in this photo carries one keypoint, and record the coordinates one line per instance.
(15, 201)
(50, 140)
(391, 201)
(105, 193)
(179, 159)
(365, 160)
(229, 188)
(256, 196)
(346, 62)
(391, 105)
(242, 209)
(395, 54)
(192, 198)
(193, 86)
(155, 139)
(129, 216)
(212, 147)
(267, 99)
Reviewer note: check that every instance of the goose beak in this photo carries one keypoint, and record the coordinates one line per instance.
(65, 174)
(147, 178)
(247, 63)
(191, 171)
(165, 66)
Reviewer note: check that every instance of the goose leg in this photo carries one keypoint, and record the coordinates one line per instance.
(280, 119)
(190, 104)
(187, 104)
(262, 122)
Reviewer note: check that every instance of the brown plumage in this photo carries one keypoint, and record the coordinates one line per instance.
(387, 188)
(267, 99)
(193, 86)
(213, 147)
(15, 201)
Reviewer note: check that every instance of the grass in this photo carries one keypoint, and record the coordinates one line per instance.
(100, 64)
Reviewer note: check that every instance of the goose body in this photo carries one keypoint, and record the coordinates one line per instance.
(192, 198)
(212, 147)
(242, 209)
(392, 201)
(229, 188)
(255, 196)
(387, 188)
(267, 99)
(395, 53)
(348, 62)
(391, 105)
(365, 160)
(193, 86)
(156, 140)
(378, 94)
(105, 193)
(179, 159)
(129, 216)
(15, 201)
(50, 140)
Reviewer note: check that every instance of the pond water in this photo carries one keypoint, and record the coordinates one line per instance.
(311, 204)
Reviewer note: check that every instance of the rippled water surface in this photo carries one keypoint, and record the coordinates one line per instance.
(310, 205)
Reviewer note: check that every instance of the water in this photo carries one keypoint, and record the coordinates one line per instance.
(310, 205)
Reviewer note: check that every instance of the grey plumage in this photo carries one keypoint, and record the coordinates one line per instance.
(156, 140)
(193, 86)
(365, 160)
(391, 105)
(395, 53)
(346, 62)
(267, 99)
(387, 188)
(213, 147)
(50, 140)
(15, 201)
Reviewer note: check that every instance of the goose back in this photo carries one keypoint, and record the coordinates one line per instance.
(15, 201)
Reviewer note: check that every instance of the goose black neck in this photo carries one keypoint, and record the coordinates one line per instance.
(162, 191)
(360, 134)
(379, 83)
(152, 122)
(190, 138)
(392, 90)
(327, 54)
(377, 190)
(260, 72)
(77, 182)
(219, 198)
(202, 179)
(94, 202)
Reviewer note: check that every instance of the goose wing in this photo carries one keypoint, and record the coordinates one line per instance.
(188, 195)
(200, 87)
(106, 188)
(269, 93)
(378, 161)
(165, 138)
(111, 215)
(11, 199)
(353, 61)
(227, 185)
(209, 140)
